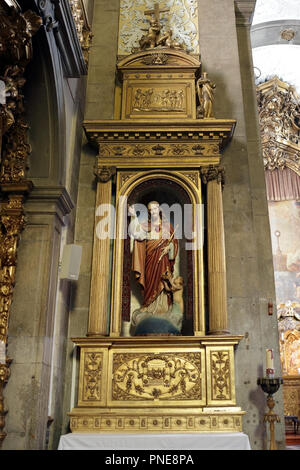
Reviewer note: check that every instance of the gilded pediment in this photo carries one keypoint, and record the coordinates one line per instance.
(158, 58)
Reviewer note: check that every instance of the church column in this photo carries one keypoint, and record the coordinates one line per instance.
(99, 297)
(213, 177)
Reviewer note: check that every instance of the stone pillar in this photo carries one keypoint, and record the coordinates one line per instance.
(213, 177)
(99, 296)
(32, 322)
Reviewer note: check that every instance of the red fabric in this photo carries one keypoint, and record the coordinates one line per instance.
(148, 268)
(282, 184)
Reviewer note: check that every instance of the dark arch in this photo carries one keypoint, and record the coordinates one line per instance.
(164, 191)
(45, 109)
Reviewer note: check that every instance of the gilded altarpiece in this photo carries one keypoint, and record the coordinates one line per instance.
(279, 107)
(159, 382)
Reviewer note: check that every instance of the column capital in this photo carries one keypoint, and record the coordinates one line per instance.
(212, 172)
(104, 173)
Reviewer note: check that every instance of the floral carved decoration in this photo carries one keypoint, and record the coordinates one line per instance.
(157, 376)
(279, 117)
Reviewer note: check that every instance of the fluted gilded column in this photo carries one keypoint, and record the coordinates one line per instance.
(99, 296)
(213, 177)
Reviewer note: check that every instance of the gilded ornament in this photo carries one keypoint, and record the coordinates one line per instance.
(16, 32)
(179, 149)
(155, 376)
(160, 383)
(211, 173)
(182, 20)
(162, 100)
(154, 36)
(104, 173)
(279, 118)
(92, 376)
(220, 375)
(161, 423)
(199, 149)
(155, 59)
(82, 27)
(287, 34)
(158, 149)
(148, 150)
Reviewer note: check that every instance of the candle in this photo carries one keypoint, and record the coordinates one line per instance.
(270, 363)
(2, 352)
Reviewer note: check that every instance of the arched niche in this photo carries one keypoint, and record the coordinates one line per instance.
(45, 109)
(183, 193)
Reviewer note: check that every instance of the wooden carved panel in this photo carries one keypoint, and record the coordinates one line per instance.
(150, 98)
(151, 377)
(220, 375)
(164, 149)
(93, 371)
(164, 423)
(220, 369)
(92, 376)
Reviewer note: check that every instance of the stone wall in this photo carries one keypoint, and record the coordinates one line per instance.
(40, 311)
(100, 97)
(226, 56)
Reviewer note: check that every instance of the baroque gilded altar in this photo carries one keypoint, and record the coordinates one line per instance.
(161, 147)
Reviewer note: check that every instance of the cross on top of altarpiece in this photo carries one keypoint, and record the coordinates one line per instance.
(156, 12)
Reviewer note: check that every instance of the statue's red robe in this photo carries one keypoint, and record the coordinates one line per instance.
(147, 267)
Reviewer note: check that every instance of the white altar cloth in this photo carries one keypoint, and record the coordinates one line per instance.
(190, 441)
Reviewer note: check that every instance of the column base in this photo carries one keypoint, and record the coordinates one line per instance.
(219, 332)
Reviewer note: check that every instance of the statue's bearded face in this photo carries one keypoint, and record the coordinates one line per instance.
(153, 208)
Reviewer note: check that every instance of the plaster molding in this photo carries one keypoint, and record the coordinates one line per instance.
(54, 200)
(58, 20)
(272, 32)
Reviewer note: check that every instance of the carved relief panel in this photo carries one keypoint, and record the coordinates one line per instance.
(92, 379)
(161, 98)
(156, 375)
(155, 378)
(159, 84)
(220, 367)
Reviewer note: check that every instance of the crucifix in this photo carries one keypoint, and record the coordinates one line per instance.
(156, 12)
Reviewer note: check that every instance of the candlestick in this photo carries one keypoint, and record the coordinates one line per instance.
(270, 363)
(270, 386)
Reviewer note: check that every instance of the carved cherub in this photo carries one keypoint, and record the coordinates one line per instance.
(174, 285)
(149, 40)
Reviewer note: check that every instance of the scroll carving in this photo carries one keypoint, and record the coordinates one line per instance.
(220, 373)
(82, 27)
(157, 376)
(92, 376)
(15, 150)
(167, 150)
